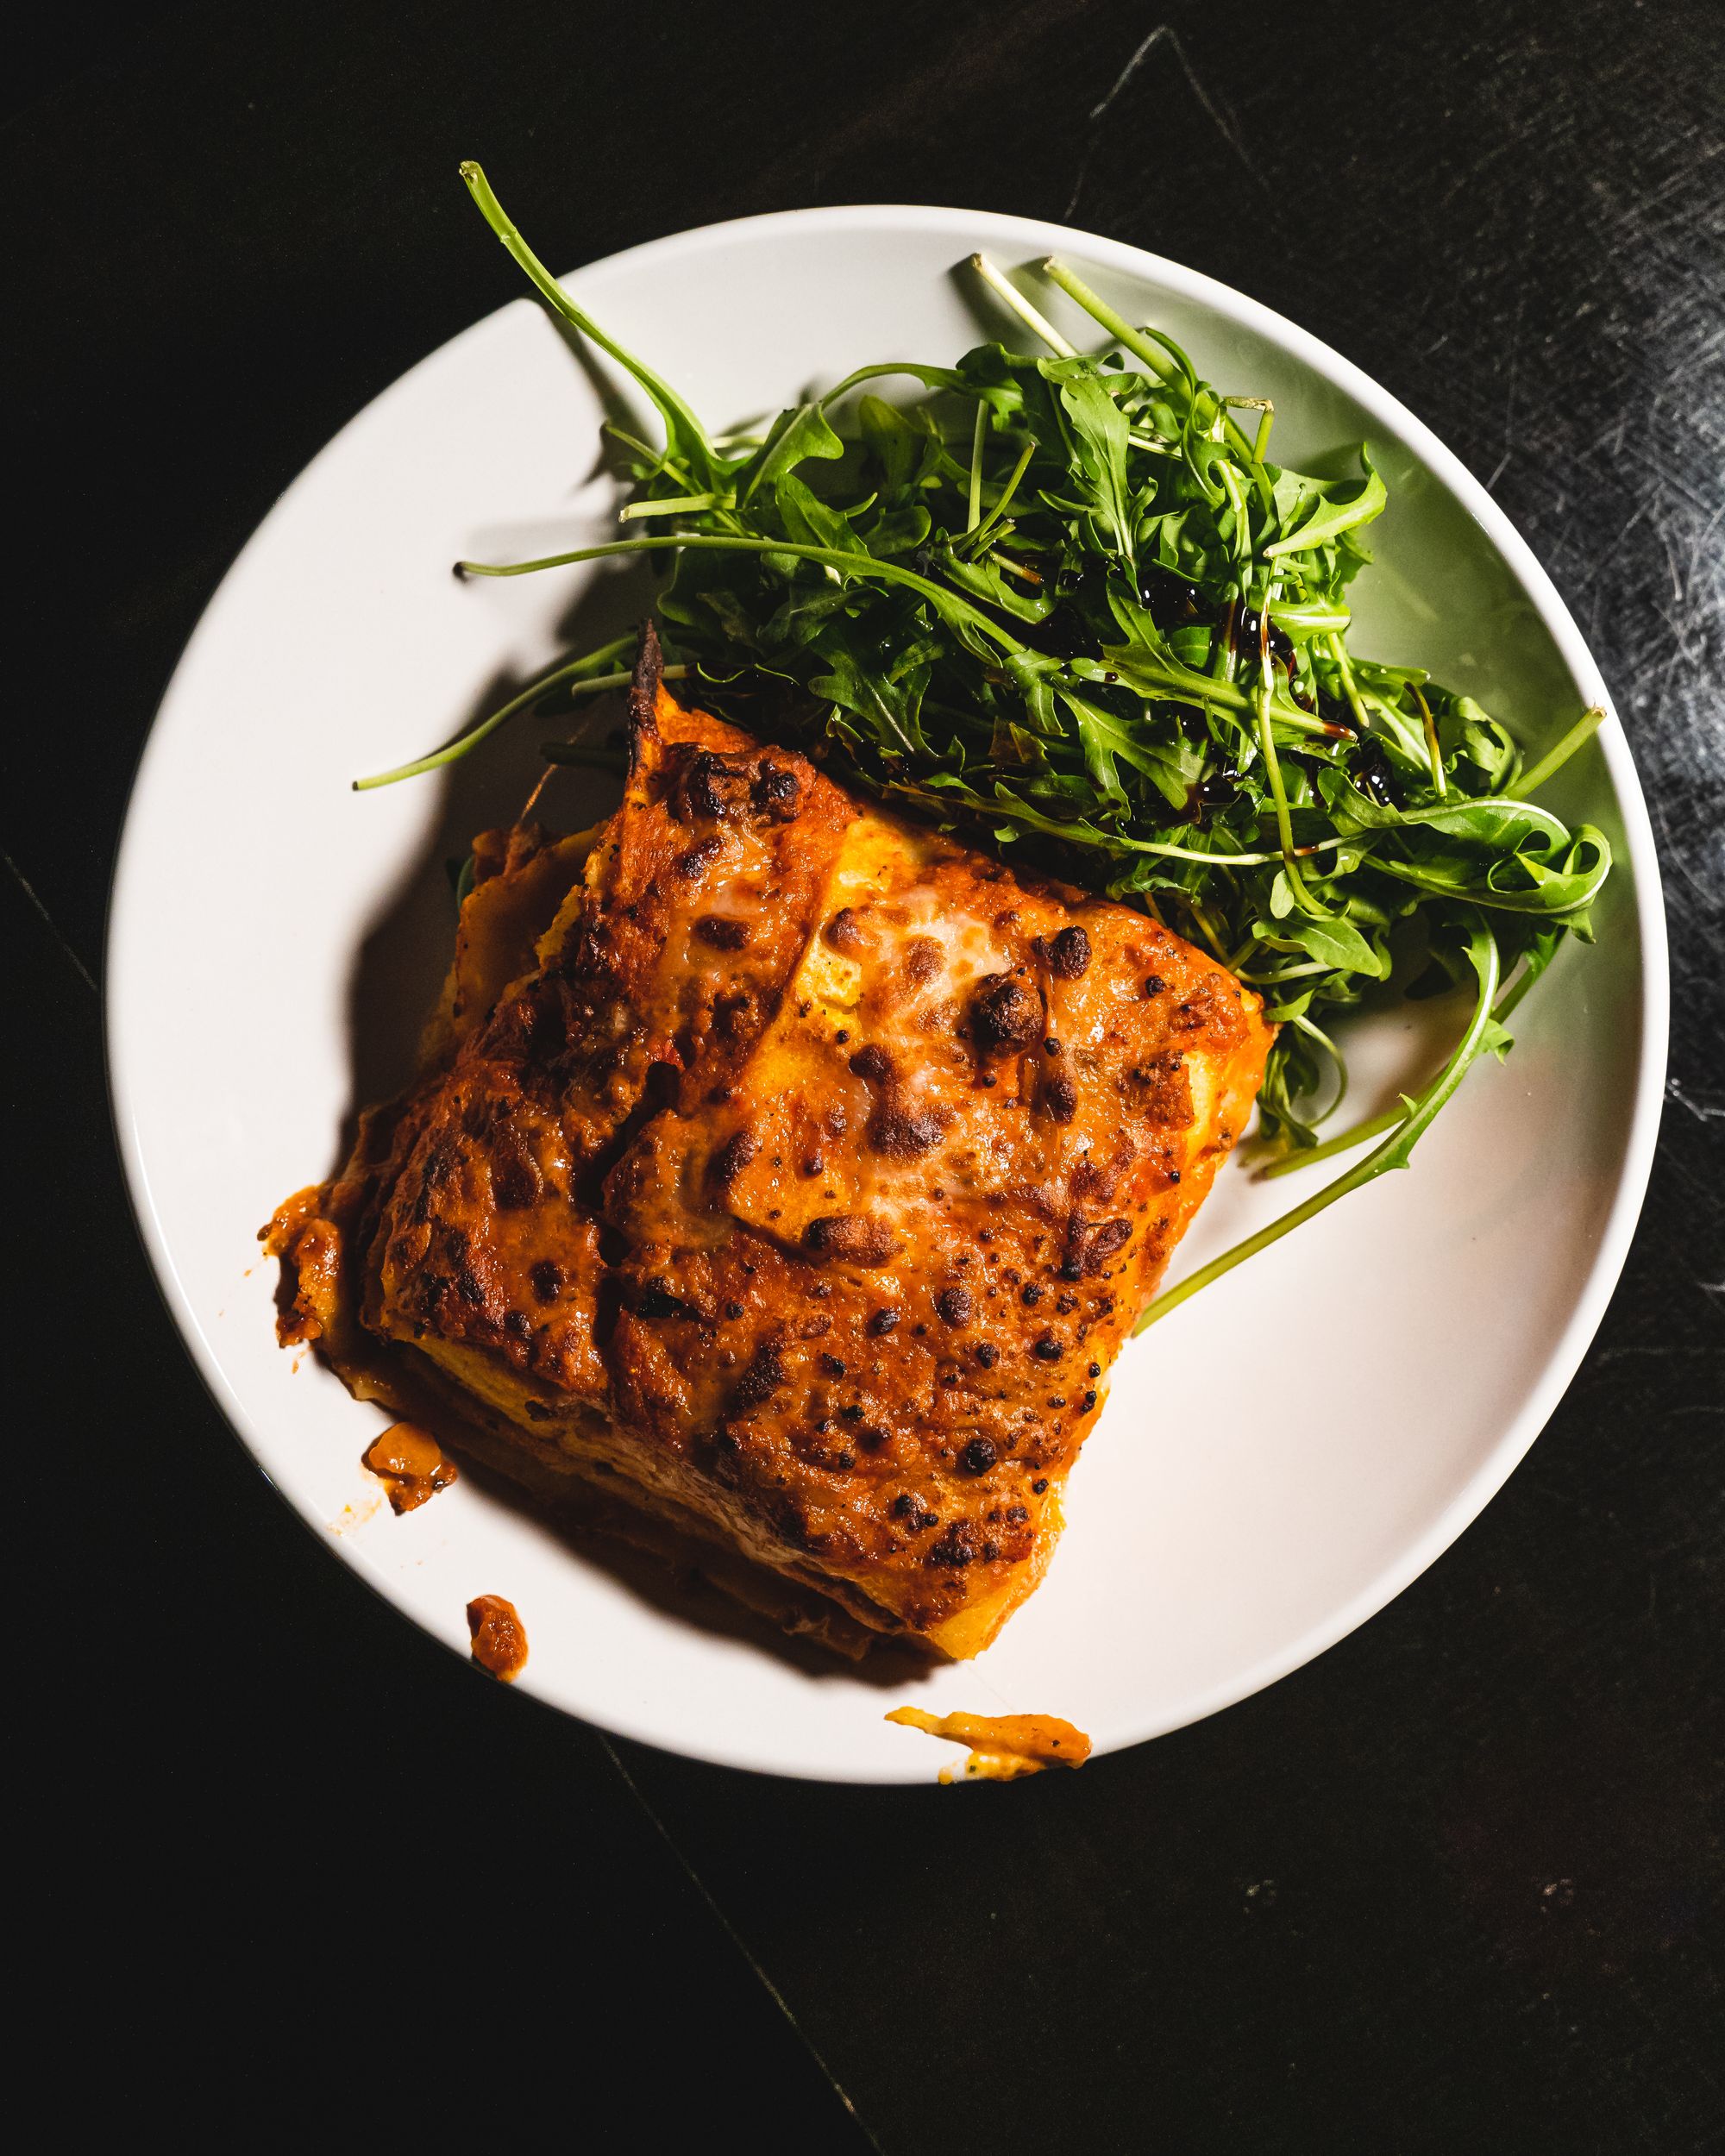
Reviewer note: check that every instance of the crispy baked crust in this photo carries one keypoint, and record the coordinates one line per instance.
(789, 1174)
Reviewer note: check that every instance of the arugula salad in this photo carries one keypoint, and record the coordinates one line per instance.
(1066, 602)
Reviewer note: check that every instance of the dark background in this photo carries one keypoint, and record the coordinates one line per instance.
(1456, 1884)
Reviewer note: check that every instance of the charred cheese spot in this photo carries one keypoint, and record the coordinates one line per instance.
(1159, 1092)
(844, 1237)
(697, 859)
(924, 958)
(904, 1133)
(778, 792)
(1069, 955)
(706, 786)
(733, 1158)
(1006, 1014)
(1059, 1098)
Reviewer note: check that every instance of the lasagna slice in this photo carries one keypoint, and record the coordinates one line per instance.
(783, 1178)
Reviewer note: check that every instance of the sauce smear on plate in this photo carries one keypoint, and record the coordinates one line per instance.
(1003, 1747)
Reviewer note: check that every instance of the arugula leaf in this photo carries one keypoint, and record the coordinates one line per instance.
(1525, 881)
(1339, 508)
(1332, 939)
(1100, 425)
(792, 437)
(809, 520)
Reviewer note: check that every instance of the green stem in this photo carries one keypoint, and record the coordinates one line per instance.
(1205, 926)
(1231, 487)
(1278, 793)
(591, 756)
(660, 460)
(1554, 758)
(1021, 307)
(573, 670)
(1287, 973)
(1395, 1152)
(991, 522)
(672, 506)
(1305, 1157)
(622, 678)
(1233, 861)
(1135, 342)
(1434, 754)
(1518, 987)
(1014, 568)
(1116, 325)
(979, 435)
(1166, 678)
(829, 557)
(675, 413)
(1350, 687)
(880, 371)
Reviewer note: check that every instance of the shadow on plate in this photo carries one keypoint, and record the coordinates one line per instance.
(685, 1595)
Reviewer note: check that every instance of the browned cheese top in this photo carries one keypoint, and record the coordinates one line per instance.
(821, 1163)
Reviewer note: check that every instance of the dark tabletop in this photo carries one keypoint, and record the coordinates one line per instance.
(1456, 1885)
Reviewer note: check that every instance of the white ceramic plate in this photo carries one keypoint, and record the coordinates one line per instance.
(1278, 1458)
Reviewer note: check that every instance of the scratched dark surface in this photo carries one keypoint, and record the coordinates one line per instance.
(1456, 1884)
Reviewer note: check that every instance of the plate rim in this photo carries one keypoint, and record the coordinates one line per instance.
(1564, 1355)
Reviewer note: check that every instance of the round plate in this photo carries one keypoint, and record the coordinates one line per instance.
(1278, 1458)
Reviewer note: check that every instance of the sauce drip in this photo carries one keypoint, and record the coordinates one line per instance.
(1374, 773)
(411, 1462)
(1171, 598)
(310, 1253)
(498, 1636)
(1003, 1747)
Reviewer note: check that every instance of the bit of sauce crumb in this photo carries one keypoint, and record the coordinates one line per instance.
(353, 1516)
(411, 1462)
(1004, 1747)
(500, 1638)
(296, 1229)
